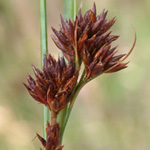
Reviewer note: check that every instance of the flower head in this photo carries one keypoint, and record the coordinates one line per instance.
(53, 138)
(87, 39)
(54, 86)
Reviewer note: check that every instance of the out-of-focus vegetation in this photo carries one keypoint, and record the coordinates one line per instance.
(111, 112)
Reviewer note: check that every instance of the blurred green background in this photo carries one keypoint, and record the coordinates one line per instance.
(111, 112)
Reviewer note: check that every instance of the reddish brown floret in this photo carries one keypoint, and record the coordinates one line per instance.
(53, 138)
(54, 86)
(87, 39)
(89, 29)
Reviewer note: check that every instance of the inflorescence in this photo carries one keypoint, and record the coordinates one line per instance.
(85, 40)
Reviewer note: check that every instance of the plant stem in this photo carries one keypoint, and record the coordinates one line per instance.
(64, 124)
(78, 88)
(69, 12)
(43, 31)
(69, 9)
(61, 116)
(53, 118)
(74, 10)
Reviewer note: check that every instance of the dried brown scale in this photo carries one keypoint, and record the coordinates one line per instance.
(86, 39)
(53, 137)
(54, 86)
(102, 61)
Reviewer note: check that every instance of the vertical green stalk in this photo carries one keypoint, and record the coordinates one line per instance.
(69, 9)
(43, 30)
(69, 13)
(69, 109)
(74, 10)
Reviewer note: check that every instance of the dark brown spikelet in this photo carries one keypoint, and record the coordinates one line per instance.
(89, 30)
(54, 86)
(87, 39)
(53, 138)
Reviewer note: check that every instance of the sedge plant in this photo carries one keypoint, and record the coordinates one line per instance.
(82, 39)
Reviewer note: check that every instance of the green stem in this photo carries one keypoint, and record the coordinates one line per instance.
(61, 116)
(78, 88)
(43, 30)
(69, 9)
(64, 124)
(74, 9)
(82, 77)
(69, 109)
(69, 12)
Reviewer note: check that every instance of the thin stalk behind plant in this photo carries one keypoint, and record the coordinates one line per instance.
(69, 9)
(43, 30)
(69, 13)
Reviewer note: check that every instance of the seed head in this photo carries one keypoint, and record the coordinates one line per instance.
(87, 40)
(53, 138)
(54, 86)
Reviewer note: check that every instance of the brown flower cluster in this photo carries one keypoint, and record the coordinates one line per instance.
(53, 138)
(84, 40)
(54, 86)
